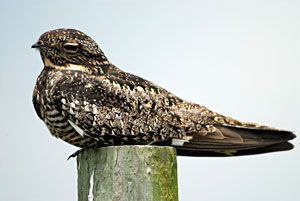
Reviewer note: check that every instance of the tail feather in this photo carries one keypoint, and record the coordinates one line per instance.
(237, 141)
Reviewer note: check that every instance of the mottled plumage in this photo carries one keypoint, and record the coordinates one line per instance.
(88, 102)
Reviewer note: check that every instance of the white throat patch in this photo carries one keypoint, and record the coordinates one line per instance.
(47, 62)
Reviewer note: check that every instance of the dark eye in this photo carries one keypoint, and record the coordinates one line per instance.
(71, 47)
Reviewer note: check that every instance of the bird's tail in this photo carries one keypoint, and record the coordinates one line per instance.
(236, 141)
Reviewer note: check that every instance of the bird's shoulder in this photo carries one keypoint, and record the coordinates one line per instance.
(115, 88)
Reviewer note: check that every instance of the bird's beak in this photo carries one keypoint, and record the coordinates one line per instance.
(36, 45)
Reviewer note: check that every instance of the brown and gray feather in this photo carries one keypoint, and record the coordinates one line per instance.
(88, 102)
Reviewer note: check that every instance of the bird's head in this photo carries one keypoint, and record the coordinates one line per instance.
(69, 47)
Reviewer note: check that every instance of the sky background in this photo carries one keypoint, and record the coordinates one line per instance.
(239, 58)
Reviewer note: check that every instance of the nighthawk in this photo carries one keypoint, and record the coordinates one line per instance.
(88, 102)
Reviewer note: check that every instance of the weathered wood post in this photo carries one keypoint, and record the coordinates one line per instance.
(127, 173)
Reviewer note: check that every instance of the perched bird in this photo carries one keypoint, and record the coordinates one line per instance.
(88, 102)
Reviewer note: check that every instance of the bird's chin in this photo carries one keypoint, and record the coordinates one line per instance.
(43, 59)
(47, 61)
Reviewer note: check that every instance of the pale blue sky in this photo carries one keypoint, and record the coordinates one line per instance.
(240, 58)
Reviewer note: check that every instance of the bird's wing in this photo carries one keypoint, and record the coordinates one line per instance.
(223, 135)
(113, 109)
(110, 108)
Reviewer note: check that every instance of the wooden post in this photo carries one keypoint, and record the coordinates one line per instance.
(127, 173)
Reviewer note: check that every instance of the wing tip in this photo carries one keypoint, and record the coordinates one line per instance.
(284, 146)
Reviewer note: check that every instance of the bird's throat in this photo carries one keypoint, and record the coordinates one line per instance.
(48, 63)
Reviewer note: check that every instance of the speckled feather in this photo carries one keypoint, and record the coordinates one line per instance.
(88, 102)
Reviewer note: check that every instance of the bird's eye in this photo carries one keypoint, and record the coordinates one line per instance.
(71, 47)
